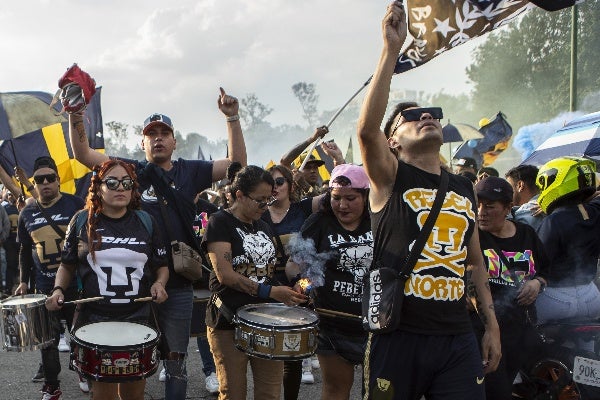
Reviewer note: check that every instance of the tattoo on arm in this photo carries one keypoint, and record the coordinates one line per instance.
(243, 285)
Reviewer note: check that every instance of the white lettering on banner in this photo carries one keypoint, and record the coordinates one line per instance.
(421, 13)
(375, 291)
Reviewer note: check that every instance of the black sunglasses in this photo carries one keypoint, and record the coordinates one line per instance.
(415, 114)
(263, 203)
(279, 181)
(39, 179)
(113, 183)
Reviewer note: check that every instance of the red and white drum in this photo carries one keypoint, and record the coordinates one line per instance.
(25, 323)
(115, 351)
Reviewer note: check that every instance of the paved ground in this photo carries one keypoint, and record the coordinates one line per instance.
(16, 370)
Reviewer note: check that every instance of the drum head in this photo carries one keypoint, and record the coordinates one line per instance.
(276, 314)
(26, 299)
(115, 333)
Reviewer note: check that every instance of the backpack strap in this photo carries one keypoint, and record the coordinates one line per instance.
(146, 220)
(142, 215)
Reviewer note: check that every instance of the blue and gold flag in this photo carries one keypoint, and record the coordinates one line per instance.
(53, 141)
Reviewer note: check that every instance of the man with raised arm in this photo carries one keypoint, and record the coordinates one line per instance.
(176, 182)
(434, 352)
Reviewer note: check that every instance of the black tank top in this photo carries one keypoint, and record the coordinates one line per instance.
(435, 293)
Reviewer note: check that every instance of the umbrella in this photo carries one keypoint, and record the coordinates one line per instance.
(24, 112)
(459, 133)
(580, 137)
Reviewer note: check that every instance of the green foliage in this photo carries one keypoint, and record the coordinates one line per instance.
(524, 70)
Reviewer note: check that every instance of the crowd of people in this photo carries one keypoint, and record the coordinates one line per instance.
(504, 254)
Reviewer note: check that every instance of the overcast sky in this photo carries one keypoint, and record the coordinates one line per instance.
(171, 57)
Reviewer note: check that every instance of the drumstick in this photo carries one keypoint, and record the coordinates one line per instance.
(337, 313)
(149, 298)
(87, 300)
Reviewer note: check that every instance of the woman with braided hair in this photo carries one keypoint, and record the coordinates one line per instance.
(118, 253)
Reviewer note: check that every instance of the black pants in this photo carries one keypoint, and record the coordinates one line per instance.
(11, 250)
(50, 356)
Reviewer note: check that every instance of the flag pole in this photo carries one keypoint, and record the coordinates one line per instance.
(316, 142)
(12, 147)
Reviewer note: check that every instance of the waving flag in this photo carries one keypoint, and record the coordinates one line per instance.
(53, 141)
(439, 25)
(496, 135)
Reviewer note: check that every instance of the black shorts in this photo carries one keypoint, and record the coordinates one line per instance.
(350, 348)
(407, 366)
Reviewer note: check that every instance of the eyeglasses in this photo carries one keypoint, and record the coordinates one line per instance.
(39, 179)
(263, 203)
(113, 183)
(415, 114)
(279, 181)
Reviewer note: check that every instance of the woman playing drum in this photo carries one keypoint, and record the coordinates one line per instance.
(343, 229)
(113, 248)
(242, 253)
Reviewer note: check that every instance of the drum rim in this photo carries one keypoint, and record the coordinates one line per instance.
(143, 345)
(41, 300)
(237, 318)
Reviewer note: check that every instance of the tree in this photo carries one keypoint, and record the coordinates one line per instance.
(524, 70)
(253, 112)
(306, 94)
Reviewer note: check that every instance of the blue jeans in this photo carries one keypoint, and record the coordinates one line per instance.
(208, 363)
(557, 303)
(175, 317)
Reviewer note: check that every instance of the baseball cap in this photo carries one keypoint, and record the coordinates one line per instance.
(311, 159)
(494, 189)
(349, 176)
(466, 162)
(44, 162)
(157, 119)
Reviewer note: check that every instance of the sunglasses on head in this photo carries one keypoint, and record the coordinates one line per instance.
(39, 179)
(113, 183)
(279, 181)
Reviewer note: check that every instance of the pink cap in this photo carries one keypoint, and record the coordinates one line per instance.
(355, 177)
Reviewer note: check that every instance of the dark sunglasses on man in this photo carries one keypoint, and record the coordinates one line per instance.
(39, 179)
(415, 114)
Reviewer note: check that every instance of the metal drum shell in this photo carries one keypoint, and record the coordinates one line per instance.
(294, 340)
(25, 323)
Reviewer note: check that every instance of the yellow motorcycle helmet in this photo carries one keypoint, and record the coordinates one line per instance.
(564, 178)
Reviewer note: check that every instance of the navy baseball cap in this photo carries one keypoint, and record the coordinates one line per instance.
(157, 119)
(494, 189)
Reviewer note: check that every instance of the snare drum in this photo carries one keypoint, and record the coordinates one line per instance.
(198, 325)
(276, 331)
(25, 323)
(114, 351)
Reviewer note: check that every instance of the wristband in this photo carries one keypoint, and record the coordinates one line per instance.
(233, 118)
(57, 288)
(263, 291)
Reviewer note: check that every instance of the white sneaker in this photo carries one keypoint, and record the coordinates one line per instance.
(212, 383)
(314, 362)
(83, 385)
(63, 347)
(163, 375)
(307, 375)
